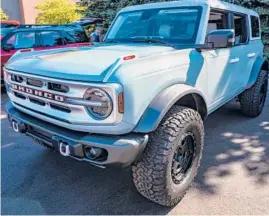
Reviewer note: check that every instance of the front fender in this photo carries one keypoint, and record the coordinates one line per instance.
(161, 104)
(258, 66)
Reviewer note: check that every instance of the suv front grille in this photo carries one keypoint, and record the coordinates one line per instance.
(56, 101)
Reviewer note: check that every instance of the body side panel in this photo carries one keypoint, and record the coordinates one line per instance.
(143, 79)
(255, 72)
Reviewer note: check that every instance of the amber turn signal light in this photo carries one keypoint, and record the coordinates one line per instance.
(121, 103)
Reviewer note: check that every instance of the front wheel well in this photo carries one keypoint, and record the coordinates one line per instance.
(194, 101)
(265, 66)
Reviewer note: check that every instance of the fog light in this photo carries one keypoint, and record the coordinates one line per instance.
(94, 153)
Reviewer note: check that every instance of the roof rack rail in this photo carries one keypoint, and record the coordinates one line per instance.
(46, 25)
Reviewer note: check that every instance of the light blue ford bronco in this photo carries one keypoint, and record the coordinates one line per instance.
(140, 97)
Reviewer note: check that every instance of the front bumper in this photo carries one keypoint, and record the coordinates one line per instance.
(121, 150)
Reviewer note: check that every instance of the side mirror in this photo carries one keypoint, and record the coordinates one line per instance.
(8, 47)
(220, 39)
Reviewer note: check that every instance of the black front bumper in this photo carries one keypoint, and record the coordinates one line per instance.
(121, 150)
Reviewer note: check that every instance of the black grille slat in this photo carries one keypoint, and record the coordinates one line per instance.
(21, 96)
(37, 101)
(60, 108)
(58, 87)
(33, 82)
(16, 78)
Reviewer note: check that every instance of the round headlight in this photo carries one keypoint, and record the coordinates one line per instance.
(102, 103)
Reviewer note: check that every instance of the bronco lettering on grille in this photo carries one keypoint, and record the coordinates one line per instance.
(38, 93)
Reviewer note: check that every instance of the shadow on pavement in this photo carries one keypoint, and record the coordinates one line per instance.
(235, 141)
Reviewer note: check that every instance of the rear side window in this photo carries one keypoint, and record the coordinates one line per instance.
(68, 38)
(79, 36)
(22, 40)
(217, 20)
(240, 28)
(255, 27)
(51, 38)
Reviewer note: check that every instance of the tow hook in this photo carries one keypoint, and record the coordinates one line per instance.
(19, 127)
(64, 149)
(15, 126)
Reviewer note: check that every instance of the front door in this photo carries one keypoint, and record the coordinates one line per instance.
(221, 63)
(18, 40)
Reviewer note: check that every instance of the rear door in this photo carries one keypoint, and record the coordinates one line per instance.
(240, 51)
(255, 46)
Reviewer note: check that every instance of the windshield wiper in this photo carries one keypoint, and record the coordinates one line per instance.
(149, 40)
(111, 41)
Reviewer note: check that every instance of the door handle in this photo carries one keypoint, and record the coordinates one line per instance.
(235, 60)
(251, 55)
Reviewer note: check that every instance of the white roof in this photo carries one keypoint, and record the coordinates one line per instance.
(206, 3)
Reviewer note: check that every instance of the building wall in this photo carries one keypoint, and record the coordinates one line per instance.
(22, 10)
(13, 9)
(29, 11)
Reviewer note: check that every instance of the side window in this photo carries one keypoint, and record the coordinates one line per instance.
(11, 40)
(217, 20)
(78, 36)
(51, 38)
(240, 28)
(22, 40)
(255, 27)
(68, 38)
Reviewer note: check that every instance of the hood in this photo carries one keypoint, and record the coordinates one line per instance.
(81, 64)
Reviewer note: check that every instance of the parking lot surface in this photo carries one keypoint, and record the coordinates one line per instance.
(233, 177)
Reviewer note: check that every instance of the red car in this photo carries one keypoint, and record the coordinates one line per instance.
(40, 38)
(88, 24)
(9, 23)
(8, 26)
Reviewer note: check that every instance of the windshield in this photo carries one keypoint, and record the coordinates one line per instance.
(172, 25)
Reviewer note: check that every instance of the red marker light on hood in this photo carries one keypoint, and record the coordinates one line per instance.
(25, 50)
(130, 57)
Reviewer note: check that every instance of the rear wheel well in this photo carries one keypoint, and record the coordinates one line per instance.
(194, 101)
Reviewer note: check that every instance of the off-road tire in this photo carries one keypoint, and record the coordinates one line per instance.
(250, 100)
(152, 172)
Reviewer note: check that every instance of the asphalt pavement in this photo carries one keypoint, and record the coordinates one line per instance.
(233, 177)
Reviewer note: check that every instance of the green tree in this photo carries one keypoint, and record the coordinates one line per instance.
(3, 15)
(58, 12)
(107, 9)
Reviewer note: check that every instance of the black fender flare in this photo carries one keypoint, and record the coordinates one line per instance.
(260, 64)
(162, 103)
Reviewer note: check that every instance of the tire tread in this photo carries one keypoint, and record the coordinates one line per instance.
(149, 171)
